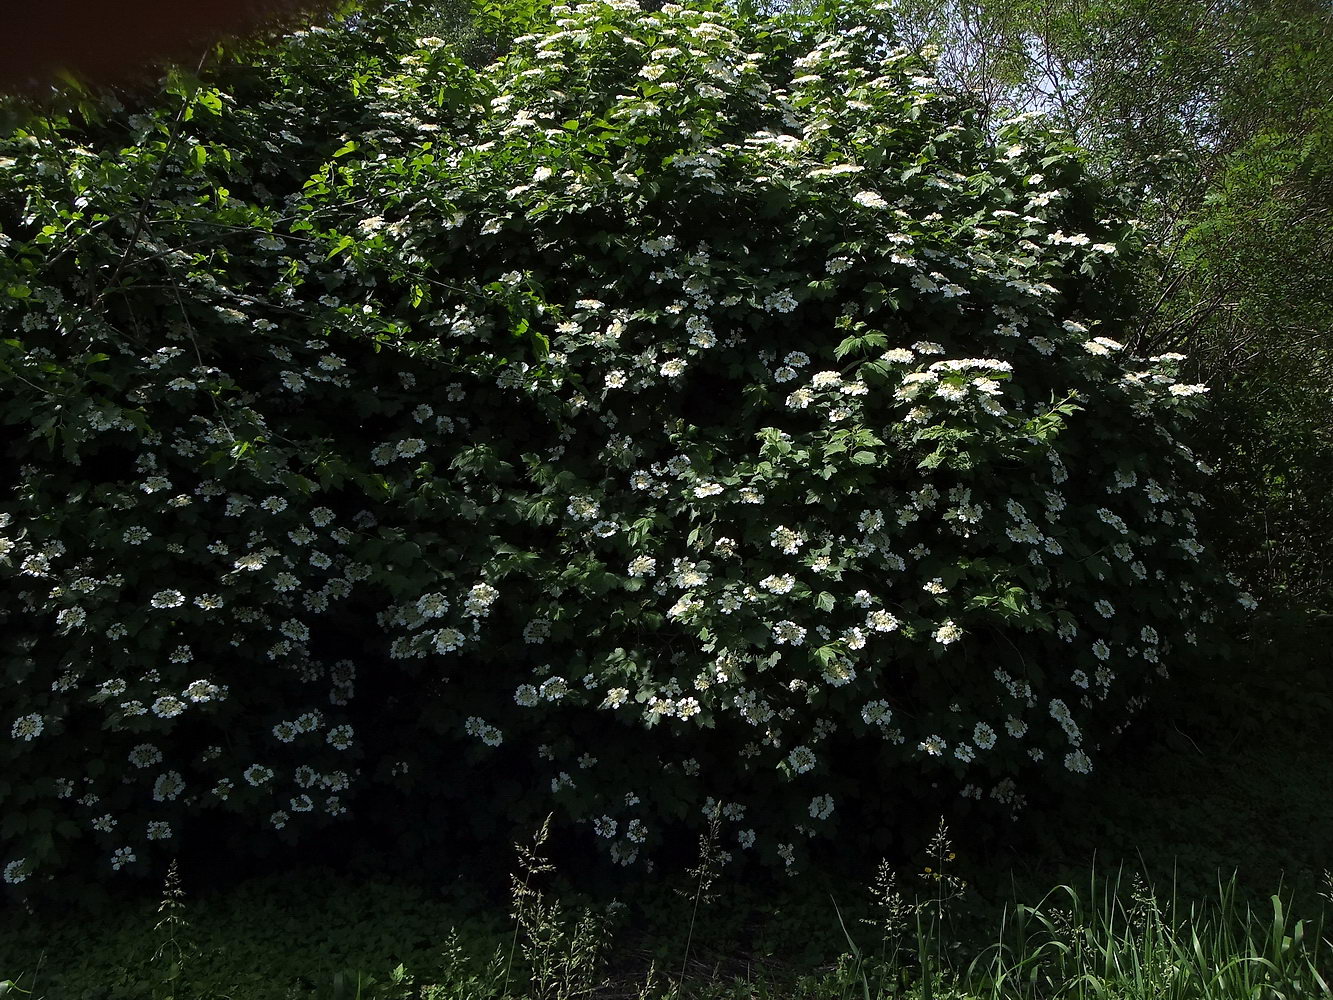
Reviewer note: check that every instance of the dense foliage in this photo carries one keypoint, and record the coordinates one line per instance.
(680, 417)
(1222, 111)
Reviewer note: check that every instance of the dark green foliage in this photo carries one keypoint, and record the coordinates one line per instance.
(678, 417)
(1220, 114)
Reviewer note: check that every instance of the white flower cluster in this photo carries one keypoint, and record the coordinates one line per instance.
(702, 479)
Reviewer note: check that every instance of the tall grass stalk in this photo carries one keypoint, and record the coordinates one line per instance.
(704, 875)
(1100, 945)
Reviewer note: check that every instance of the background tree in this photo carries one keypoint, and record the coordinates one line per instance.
(1220, 115)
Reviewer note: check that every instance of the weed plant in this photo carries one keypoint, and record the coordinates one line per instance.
(1118, 939)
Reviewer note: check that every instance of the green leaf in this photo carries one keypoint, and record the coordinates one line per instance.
(343, 243)
(210, 100)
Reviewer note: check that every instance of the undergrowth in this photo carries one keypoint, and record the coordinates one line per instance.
(1119, 938)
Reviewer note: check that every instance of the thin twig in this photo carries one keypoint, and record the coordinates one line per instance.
(142, 217)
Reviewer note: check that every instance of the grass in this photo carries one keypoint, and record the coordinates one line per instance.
(917, 936)
(1117, 938)
(1195, 868)
(1104, 943)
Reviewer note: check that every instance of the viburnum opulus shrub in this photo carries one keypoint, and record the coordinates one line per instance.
(679, 416)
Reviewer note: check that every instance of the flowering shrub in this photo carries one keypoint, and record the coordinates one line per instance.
(688, 418)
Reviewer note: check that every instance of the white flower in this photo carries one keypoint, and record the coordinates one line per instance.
(778, 584)
(583, 508)
(869, 199)
(479, 600)
(876, 713)
(16, 871)
(410, 447)
(801, 759)
(167, 599)
(1078, 762)
(788, 632)
(787, 540)
(673, 368)
(167, 786)
(202, 690)
(145, 755)
(537, 631)
(821, 807)
(687, 708)
(947, 632)
(447, 640)
(27, 727)
(122, 856)
(933, 745)
(554, 688)
(881, 621)
(432, 605)
(158, 830)
(642, 566)
(168, 706)
(1102, 346)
